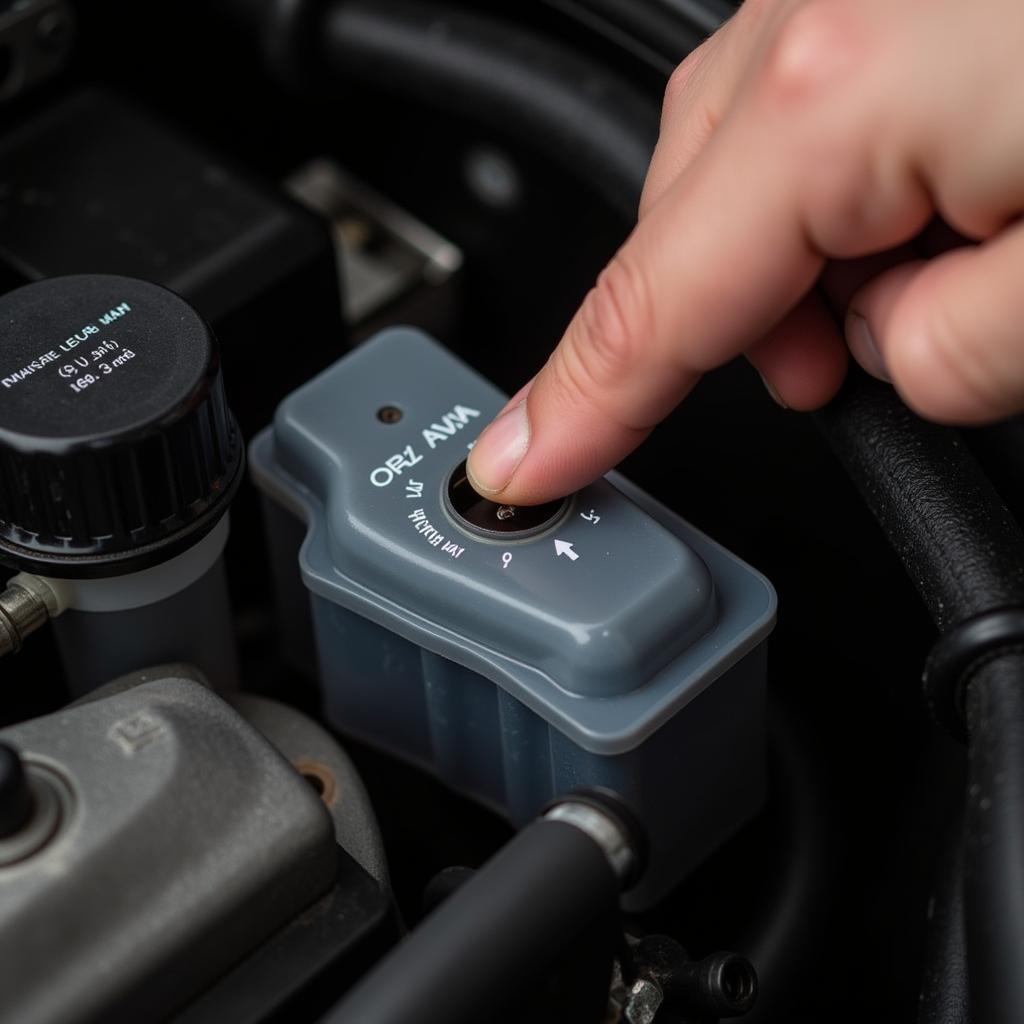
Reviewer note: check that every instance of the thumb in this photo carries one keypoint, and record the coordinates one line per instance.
(947, 332)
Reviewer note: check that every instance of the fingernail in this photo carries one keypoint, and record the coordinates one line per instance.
(776, 397)
(862, 344)
(499, 450)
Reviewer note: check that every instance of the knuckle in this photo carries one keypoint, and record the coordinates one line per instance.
(809, 51)
(569, 380)
(966, 209)
(615, 321)
(679, 82)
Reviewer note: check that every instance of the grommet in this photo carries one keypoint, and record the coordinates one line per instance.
(958, 655)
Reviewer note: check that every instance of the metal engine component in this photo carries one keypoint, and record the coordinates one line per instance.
(184, 839)
(318, 758)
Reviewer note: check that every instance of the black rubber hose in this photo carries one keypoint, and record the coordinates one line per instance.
(944, 988)
(999, 449)
(583, 117)
(661, 22)
(658, 32)
(495, 937)
(959, 543)
(965, 553)
(994, 852)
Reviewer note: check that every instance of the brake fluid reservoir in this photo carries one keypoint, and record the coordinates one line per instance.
(118, 459)
(518, 653)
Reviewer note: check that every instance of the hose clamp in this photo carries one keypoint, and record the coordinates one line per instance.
(603, 817)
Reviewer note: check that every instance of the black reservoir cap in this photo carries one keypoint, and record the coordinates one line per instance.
(117, 447)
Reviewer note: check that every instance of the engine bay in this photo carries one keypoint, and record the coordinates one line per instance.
(295, 726)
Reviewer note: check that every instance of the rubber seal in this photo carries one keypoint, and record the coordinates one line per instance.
(959, 654)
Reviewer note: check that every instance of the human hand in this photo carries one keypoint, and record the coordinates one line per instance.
(807, 143)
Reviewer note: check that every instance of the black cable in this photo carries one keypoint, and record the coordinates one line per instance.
(994, 853)
(589, 121)
(494, 938)
(944, 988)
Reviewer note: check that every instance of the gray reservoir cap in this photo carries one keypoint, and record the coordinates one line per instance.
(598, 604)
(604, 623)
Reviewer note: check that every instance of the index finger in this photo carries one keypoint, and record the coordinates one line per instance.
(730, 247)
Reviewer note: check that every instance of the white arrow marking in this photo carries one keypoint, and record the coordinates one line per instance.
(563, 547)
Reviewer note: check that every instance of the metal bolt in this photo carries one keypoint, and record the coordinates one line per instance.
(645, 999)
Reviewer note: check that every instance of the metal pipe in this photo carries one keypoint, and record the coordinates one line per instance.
(27, 603)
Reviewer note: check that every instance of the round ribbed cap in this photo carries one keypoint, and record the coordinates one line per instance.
(117, 447)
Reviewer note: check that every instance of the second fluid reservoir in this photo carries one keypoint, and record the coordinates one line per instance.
(119, 457)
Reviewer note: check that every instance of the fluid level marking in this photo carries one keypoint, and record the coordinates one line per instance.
(426, 529)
